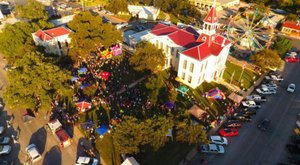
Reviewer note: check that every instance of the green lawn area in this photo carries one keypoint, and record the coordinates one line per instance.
(247, 79)
(161, 15)
(126, 17)
(171, 154)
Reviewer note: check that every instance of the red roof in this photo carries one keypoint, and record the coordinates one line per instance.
(51, 33)
(203, 50)
(211, 16)
(291, 25)
(181, 37)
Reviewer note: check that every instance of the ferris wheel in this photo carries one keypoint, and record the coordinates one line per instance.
(246, 31)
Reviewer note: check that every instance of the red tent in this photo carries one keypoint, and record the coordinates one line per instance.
(83, 106)
(105, 75)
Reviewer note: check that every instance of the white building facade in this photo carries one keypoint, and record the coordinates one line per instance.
(144, 12)
(54, 40)
(196, 57)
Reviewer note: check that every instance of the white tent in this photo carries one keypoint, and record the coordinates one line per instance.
(1, 15)
(130, 161)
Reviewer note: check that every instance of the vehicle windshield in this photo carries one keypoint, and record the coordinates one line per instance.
(36, 157)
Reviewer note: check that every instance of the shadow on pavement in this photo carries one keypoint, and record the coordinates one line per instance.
(39, 138)
(53, 156)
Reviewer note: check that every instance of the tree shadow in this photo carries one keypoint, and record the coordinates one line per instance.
(39, 138)
(70, 130)
(53, 156)
(80, 149)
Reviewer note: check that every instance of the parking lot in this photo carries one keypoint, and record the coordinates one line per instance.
(253, 146)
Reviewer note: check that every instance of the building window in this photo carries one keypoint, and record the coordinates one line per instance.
(166, 62)
(189, 79)
(192, 67)
(167, 49)
(184, 64)
(161, 45)
(204, 38)
(206, 65)
(172, 50)
(156, 44)
(183, 76)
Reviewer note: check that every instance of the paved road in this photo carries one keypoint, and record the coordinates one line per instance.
(254, 147)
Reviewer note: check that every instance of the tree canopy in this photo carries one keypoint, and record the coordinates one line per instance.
(116, 6)
(154, 84)
(267, 59)
(282, 45)
(32, 10)
(89, 33)
(147, 58)
(35, 76)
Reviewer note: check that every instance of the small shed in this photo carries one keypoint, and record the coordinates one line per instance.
(130, 161)
(197, 112)
(235, 97)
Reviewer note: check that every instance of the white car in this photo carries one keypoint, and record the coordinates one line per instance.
(4, 140)
(5, 149)
(274, 77)
(291, 88)
(2, 128)
(218, 140)
(33, 153)
(269, 85)
(265, 91)
(86, 161)
(298, 123)
(212, 148)
(256, 98)
(250, 104)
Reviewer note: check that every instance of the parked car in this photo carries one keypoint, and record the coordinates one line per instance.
(243, 118)
(251, 104)
(86, 161)
(291, 88)
(274, 77)
(5, 149)
(249, 111)
(228, 132)
(269, 85)
(60, 134)
(33, 153)
(264, 125)
(265, 91)
(293, 148)
(256, 98)
(4, 140)
(232, 125)
(2, 129)
(291, 59)
(212, 148)
(298, 123)
(217, 140)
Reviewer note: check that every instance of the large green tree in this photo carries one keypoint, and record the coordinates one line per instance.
(154, 84)
(267, 59)
(282, 45)
(147, 58)
(190, 133)
(16, 39)
(130, 135)
(90, 32)
(32, 10)
(116, 6)
(34, 77)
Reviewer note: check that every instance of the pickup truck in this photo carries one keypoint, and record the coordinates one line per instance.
(256, 98)
(251, 104)
(265, 91)
(60, 134)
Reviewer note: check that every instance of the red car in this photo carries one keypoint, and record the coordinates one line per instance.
(291, 59)
(228, 132)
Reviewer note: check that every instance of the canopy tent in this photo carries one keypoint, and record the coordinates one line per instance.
(170, 105)
(82, 70)
(86, 125)
(84, 86)
(182, 89)
(197, 112)
(28, 116)
(83, 106)
(215, 94)
(105, 75)
(74, 78)
(235, 97)
(130, 161)
(102, 130)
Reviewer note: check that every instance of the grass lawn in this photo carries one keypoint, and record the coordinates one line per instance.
(126, 17)
(161, 15)
(171, 154)
(247, 79)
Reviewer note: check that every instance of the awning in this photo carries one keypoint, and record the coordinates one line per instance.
(197, 112)
(235, 97)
